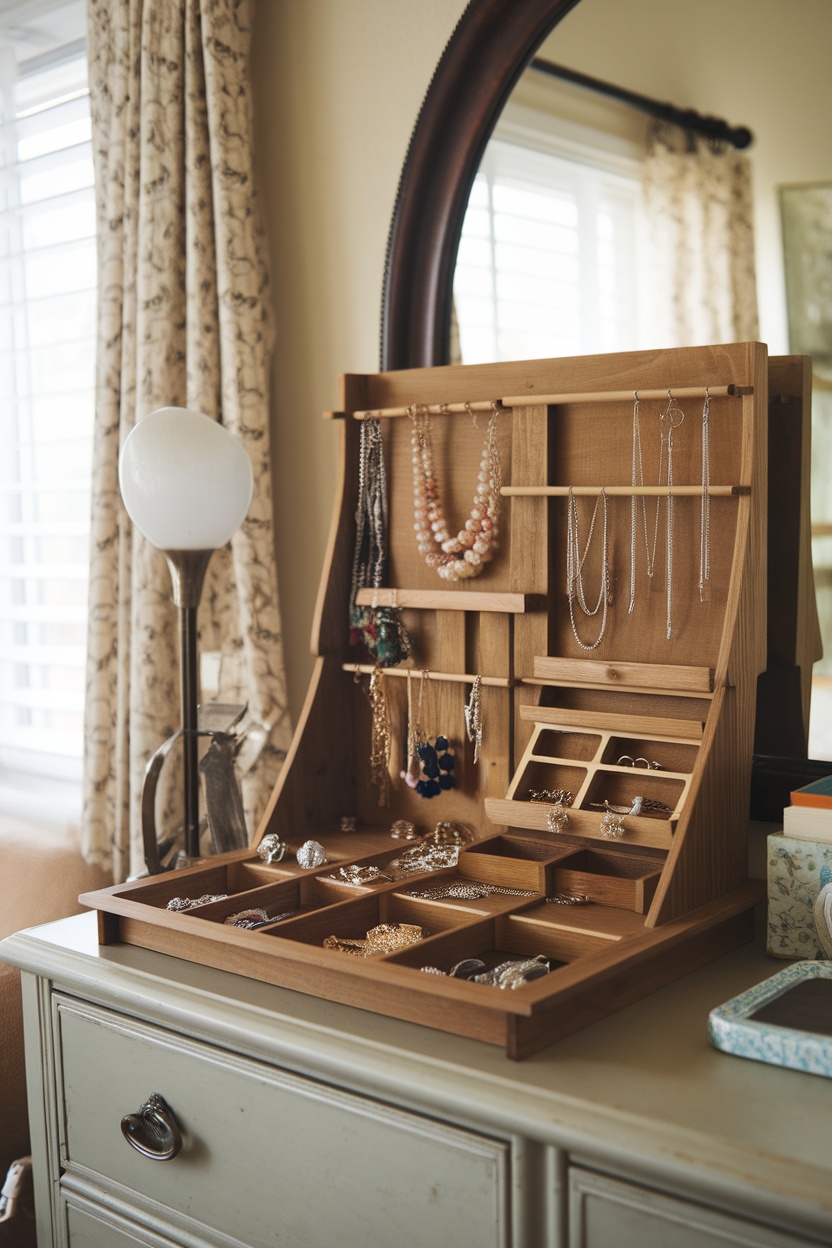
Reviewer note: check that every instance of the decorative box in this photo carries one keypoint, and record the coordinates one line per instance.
(797, 871)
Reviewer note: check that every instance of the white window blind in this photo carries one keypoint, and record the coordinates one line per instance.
(47, 324)
(548, 258)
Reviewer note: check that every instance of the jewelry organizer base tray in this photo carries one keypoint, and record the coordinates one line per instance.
(671, 891)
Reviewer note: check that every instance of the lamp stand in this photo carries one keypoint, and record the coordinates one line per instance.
(187, 572)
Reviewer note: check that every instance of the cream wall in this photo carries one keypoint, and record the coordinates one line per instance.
(337, 87)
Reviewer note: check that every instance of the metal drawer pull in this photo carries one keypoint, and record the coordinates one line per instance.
(152, 1130)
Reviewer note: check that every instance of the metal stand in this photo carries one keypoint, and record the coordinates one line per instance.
(187, 571)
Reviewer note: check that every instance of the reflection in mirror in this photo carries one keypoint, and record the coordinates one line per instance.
(566, 216)
(555, 256)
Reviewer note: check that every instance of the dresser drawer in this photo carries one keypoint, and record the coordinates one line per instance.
(269, 1157)
(89, 1226)
(605, 1211)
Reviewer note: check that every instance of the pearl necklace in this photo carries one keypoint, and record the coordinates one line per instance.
(454, 558)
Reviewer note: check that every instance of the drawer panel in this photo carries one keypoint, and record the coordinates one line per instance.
(269, 1157)
(89, 1227)
(605, 1211)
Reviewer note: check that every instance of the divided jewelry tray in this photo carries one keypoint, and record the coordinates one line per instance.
(616, 771)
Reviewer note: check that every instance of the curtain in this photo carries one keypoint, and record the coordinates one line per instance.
(183, 320)
(701, 238)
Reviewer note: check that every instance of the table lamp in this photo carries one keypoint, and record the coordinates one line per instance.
(186, 483)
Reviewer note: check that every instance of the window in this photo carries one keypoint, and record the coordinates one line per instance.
(47, 342)
(548, 258)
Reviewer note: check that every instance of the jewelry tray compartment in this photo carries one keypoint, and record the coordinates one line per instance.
(672, 756)
(561, 743)
(355, 918)
(512, 862)
(494, 941)
(622, 788)
(616, 879)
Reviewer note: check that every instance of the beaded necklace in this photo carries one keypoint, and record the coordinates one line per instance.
(465, 555)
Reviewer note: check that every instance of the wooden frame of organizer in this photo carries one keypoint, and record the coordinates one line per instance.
(674, 892)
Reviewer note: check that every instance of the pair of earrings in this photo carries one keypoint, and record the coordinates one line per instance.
(430, 760)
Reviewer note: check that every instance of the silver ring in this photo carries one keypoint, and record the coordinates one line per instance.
(272, 848)
(311, 854)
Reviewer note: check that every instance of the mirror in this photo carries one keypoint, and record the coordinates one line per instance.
(491, 46)
(493, 43)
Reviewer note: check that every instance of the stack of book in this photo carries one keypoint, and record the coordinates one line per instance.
(799, 865)
(809, 818)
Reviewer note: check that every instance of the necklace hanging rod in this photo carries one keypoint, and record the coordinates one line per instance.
(626, 396)
(458, 678)
(528, 400)
(624, 491)
(432, 409)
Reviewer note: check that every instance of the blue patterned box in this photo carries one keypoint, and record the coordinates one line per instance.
(797, 870)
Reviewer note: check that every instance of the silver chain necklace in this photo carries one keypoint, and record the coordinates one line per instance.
(575, 564)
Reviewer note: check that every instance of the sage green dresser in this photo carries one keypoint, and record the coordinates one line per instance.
(306, 1123)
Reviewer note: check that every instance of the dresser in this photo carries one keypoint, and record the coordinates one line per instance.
(310, 1123)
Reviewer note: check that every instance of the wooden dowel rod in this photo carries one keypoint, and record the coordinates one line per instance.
(457, 678)
(622, 396)
(624, 491)
(529, 400)
(434, 409)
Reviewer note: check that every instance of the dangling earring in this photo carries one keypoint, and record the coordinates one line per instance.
(415, 732)
(556, 818)
(379, 737)
(473, 717)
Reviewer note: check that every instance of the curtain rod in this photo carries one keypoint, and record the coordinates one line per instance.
(711, 127)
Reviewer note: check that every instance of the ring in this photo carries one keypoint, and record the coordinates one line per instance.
(311, 854)
(272, 848)
(651, 765)
(403, 830)
(624, 760)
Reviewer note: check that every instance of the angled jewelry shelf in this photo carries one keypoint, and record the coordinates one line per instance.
(526, 748)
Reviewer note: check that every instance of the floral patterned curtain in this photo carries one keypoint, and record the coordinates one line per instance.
(183, 320)
(699, 208)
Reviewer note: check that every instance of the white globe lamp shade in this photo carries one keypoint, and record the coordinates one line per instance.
(185, 480)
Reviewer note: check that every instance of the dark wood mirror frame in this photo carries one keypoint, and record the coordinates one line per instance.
(492, 44)
(488, 51)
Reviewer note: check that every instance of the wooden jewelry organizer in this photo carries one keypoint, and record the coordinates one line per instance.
(668, 895)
